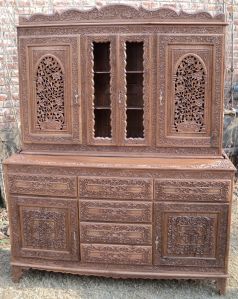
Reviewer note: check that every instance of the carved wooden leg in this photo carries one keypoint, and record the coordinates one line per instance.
(17, 273)
(221, 285)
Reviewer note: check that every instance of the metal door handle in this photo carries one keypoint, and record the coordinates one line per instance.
(76, 98)
(161, 98)
(156, 243)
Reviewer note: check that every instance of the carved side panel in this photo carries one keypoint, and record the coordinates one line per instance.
(50, 110)
(191, 234)
(189, 96)
(116, 254)
(190, 91)
(115, 188)
(49, 95)
(190, 190)
(45, 228)
(43, 185)
(108, 211)
(115, 233)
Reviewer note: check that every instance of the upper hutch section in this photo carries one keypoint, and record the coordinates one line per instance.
(122, 80)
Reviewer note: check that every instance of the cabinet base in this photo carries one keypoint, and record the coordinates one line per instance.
(221, 279)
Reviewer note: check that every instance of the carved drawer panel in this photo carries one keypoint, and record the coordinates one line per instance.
(43, 185)
(119, 211)
(45, 228)
(182, 190)
(115, 233)
(191, 234)
(114, 188)
(116, 254)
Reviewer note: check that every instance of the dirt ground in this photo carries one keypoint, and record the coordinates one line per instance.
(40, 284)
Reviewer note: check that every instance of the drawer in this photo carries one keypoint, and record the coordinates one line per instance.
(116, 254)
(115, 188)
(116, 233)
(192, 190)
(119, 210)
(43, 185)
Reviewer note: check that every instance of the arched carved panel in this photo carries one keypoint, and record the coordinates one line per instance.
(50, 94)
(189, 95)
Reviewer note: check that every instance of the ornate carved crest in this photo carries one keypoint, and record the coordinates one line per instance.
(189, 95)
(120, 12)
(49, 90)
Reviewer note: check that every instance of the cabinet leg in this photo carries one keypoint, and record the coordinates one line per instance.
(221, 285)
(17, 273)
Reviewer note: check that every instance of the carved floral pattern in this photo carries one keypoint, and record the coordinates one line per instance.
(189, 95)
(50, 94)
(116, 254)
(190, 236)
(44, 229)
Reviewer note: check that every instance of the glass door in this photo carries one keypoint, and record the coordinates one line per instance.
(101, 90)
(134, 97)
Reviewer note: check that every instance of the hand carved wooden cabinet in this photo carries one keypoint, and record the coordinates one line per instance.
(121, 172)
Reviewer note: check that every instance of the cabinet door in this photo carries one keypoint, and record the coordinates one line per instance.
(101, 89)
(189, 109)
(50, 89)
(134, 94)
(190, 234)
(44, 228)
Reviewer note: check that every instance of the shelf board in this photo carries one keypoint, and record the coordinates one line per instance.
(102, 72)
(134, 108)
(102, 107)
(134, 72)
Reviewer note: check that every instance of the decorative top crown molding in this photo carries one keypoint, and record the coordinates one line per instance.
(121, 13)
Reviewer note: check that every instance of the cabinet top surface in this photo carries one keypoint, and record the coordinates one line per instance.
(121, 162)
(121, 14)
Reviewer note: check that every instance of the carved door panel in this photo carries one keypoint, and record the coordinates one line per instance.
(189, 106)
(134, 98)
(45, 228)
(101, 89)
(190, 234)
(50, 90)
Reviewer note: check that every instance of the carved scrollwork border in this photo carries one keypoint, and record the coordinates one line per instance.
(121, 12)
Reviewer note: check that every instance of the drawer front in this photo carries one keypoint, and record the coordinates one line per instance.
(182, 190)
(43, 185)
(116, 254)
(121, 211)
(115, 188)
(116, 233)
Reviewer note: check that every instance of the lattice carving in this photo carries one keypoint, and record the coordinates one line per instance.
(44, 229)
(190, 236)
(50, 110)
(189, 95)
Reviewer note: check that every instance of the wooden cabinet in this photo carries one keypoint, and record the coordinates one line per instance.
(121, 172)
(190, 234)
(45, 228)
(50, 90)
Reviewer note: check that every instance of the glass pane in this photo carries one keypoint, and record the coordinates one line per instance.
(102, 126)
(102, 97)
(102, 90)
(134, 90)
(101, 53)
(134, 128)
(134, 56)
(134, 86)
